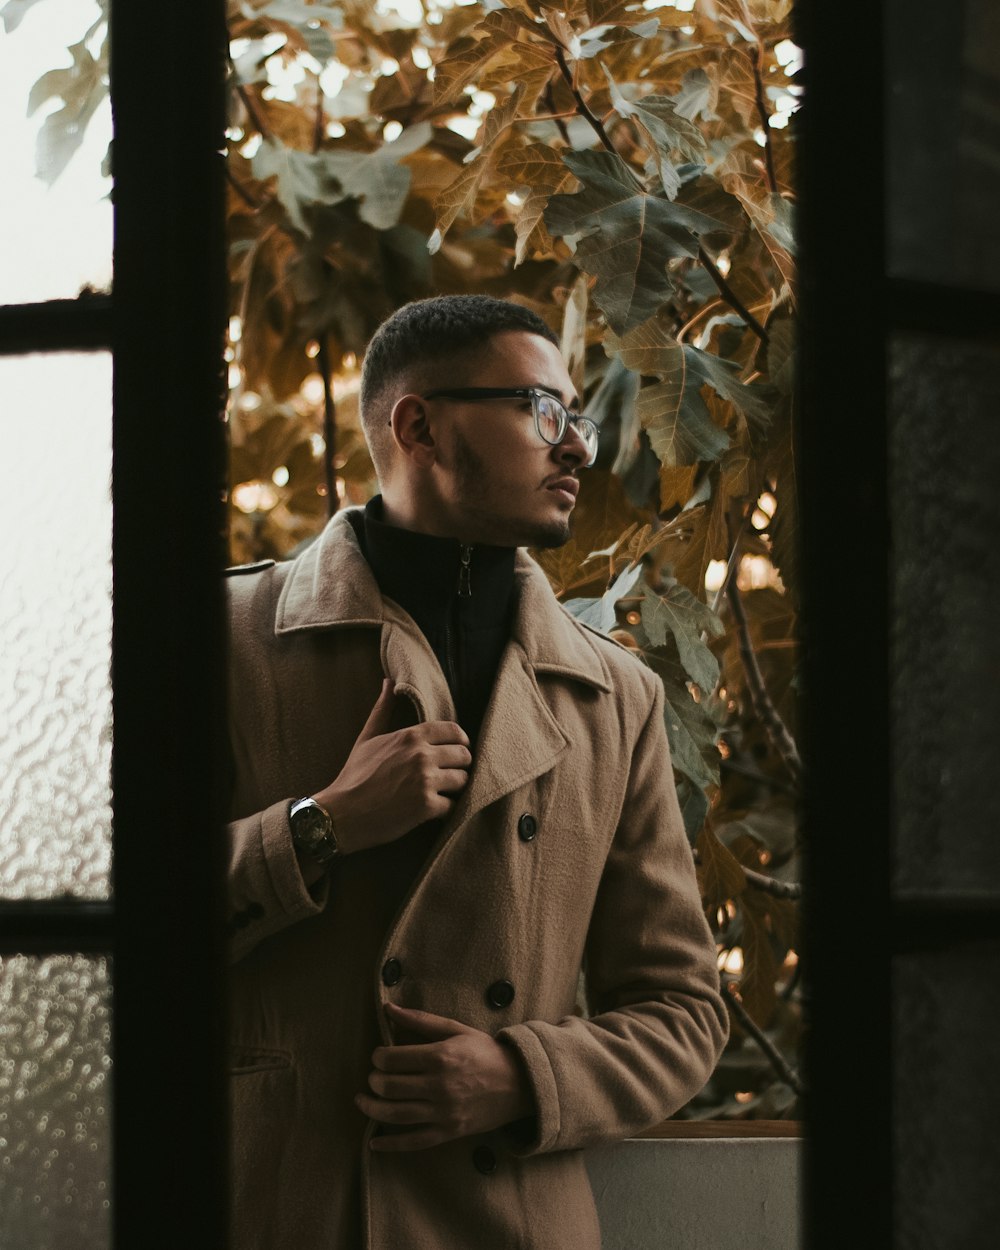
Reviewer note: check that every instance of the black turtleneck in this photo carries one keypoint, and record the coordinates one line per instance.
(461, 597)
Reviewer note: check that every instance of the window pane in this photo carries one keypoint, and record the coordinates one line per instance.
(55, 1139)
(55, 626)
(946, 603)
(53, 59)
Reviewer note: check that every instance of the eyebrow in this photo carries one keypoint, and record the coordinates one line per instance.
(549, 390)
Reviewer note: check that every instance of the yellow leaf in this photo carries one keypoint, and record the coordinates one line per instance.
(719, 873)
(540, 169)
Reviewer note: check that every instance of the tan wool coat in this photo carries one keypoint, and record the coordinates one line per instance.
(565, 851)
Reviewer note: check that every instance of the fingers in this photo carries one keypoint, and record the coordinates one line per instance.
(380, 716)
(444, 733)
(424, 1023)
(388, 1111)
(450, 780)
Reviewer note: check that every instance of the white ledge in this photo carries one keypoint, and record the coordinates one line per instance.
(726, 1193)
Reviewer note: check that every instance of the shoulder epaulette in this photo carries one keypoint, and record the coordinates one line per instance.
(256, 567)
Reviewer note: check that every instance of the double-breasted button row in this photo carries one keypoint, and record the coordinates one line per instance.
(246, 915)
(500, 994)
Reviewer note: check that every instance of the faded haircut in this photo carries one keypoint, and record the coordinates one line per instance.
(408, 350)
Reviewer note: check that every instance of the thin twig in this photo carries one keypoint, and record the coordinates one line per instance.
(595, 122)
(777, 1059)
(730, 296)
(767, 713)
(256, 116)
(244, 192)
(320, 121)
(757, 58)
(555, 116)
(779, 889)
(329, 427)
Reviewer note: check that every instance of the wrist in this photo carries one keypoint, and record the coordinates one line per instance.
(313, 834)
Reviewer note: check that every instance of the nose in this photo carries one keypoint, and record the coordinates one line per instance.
(572, 450)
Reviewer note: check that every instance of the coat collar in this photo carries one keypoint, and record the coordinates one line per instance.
(331, 585)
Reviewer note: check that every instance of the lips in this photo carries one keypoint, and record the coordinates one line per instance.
(568, 486)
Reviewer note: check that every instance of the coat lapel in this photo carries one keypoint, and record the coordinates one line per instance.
(520, 738)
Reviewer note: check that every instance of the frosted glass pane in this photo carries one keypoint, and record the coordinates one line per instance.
(55, 1135)
(61, 222)
(55, 626)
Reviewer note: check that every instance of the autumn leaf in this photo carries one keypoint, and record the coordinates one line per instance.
(540, 172)
(720, 874)
(625, 236)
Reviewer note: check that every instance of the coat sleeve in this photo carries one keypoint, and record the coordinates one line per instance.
(266, 891)
(266, 888)
(659, 1022)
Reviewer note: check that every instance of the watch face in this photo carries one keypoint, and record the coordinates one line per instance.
(312, 830)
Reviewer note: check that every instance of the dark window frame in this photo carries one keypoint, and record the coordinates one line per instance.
(163, 929)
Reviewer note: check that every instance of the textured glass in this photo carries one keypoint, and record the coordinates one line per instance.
(944, 475)
(55, 215)
(55, 626)
(55, 1132)
(943, 172)
(945, 1097)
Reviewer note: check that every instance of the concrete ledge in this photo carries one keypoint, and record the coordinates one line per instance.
(707, 1194)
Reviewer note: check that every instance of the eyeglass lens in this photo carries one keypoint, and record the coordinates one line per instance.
(553, 420)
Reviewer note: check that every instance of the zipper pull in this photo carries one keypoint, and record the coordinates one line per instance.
(465, 573)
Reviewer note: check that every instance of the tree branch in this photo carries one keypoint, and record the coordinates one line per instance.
(757, 59)
(767, 713)
(329, 427)
(730, 296)
(777, 1059)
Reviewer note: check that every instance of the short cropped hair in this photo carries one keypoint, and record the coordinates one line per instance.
(408, 349)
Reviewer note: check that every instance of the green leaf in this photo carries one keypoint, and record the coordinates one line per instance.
(305, 179)
(600, 613)
(628, 236)
(377, 179)
(679, 615)
(664, 130)
(650, 349)
(691, 733)
(697, 97)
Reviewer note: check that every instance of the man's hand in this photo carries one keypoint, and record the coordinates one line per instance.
(393, 782)
(460, 1081)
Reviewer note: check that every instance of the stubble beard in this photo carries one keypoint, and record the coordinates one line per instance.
(498, 529)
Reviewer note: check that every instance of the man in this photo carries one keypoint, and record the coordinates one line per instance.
(449, 797)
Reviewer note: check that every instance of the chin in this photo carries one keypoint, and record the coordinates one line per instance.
(547, 534)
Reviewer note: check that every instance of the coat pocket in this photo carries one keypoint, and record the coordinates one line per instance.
(245, 1060)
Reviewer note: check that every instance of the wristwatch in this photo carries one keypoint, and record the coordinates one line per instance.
(312, 831)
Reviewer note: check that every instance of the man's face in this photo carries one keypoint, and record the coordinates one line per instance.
(498, 481)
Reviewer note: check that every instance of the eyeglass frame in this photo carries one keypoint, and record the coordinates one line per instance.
(471, 394)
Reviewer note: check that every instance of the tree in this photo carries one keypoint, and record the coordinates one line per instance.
(626, 170)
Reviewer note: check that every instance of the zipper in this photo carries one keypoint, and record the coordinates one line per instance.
(465, 572)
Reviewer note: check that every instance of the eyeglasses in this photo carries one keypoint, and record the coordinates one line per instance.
(552, 419)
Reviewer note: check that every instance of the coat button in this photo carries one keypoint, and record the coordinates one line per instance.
(484, 1159)
(527, 827)
(392, 972)
(500, 994)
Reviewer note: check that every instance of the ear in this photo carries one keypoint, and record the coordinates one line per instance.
(412, 432)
